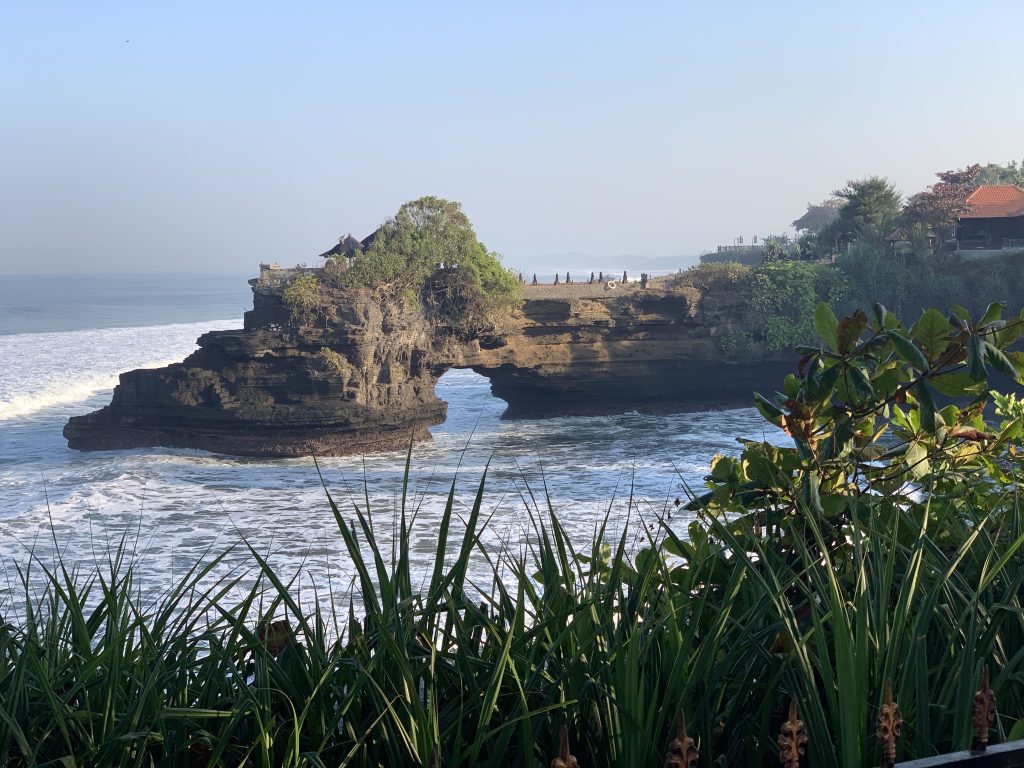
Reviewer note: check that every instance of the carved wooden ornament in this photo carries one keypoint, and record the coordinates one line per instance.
(890, 723)
(564, 759)
(792, 739)
(983, 714)
(682, 752)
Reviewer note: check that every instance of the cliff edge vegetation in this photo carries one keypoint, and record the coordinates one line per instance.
(429, 253)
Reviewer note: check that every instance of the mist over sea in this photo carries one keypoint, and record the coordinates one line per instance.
(63, 341)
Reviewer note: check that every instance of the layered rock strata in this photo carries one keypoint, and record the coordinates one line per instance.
(362, 379)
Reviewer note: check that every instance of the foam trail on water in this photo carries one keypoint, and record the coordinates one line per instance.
(43, 370)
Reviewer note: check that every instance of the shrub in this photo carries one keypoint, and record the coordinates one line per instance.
(430, 249)
(737, 345)
(302, 297)
(715, 274)
(873, 532)
(336, 363)
(783, 298)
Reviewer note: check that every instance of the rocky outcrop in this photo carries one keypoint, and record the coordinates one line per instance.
(362, 379)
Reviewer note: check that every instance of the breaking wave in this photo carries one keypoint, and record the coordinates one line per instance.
(43, 370)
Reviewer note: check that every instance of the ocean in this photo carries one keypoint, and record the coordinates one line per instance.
(64, 340)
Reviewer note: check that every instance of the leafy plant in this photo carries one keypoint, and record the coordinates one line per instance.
(783, 298)
(737, 345)
(430, 249)
(336, 363)
(885, 545)
(302, 297)
(895, 478)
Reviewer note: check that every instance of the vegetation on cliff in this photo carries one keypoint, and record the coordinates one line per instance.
(866, 245)
(429, 252)
(303, 298)
(885, 545)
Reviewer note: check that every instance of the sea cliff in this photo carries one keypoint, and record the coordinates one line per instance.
(360, 377)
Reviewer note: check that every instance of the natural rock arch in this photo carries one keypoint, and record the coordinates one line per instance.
(364, 380)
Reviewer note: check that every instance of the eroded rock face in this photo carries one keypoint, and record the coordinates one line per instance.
(363, 379)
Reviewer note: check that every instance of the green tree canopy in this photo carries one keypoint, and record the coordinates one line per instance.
(995, 173)
(818, 217)
(871, 208)
(429, 249)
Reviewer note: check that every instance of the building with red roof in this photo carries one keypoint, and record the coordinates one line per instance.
(994, 219)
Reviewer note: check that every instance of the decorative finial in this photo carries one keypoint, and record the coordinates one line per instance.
(682, 752)
(565, 758)
(792, 739)
(983, 714)
(890, 722)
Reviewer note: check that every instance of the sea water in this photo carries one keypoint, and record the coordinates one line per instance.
(63, 341)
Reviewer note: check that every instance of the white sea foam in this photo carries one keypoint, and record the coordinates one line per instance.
(173, 507)
(42, 370)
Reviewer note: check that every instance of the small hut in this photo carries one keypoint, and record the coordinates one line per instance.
(995, 218)
(347, 249)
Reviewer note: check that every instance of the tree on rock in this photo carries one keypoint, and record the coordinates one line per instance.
(429, 251)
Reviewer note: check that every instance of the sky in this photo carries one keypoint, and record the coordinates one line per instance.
(175, 137)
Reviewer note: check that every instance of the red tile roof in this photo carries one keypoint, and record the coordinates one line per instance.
(995, 201)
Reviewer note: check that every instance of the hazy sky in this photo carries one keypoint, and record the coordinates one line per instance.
(212, 136)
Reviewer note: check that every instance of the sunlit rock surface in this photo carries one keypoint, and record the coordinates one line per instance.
(271, 389)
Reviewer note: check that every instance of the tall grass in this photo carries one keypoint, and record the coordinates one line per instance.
(604, 639)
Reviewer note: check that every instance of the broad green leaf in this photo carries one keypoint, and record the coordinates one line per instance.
(975, 359)
(1017, 358)
(837, 443)
(907, 351)
(961, 312)
(881, 315)
(957, 384)
(993, 313)
(1017, 732)
(834, 504)
(810, 492)
(769, 410)
(861, 383)
(886, 382)
(821, 381)
(932, 333)
(995, 357)
(758, 466)
(916, 459)
(926, 407)
(1009, 334)
(825, 325)
(722, 467)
